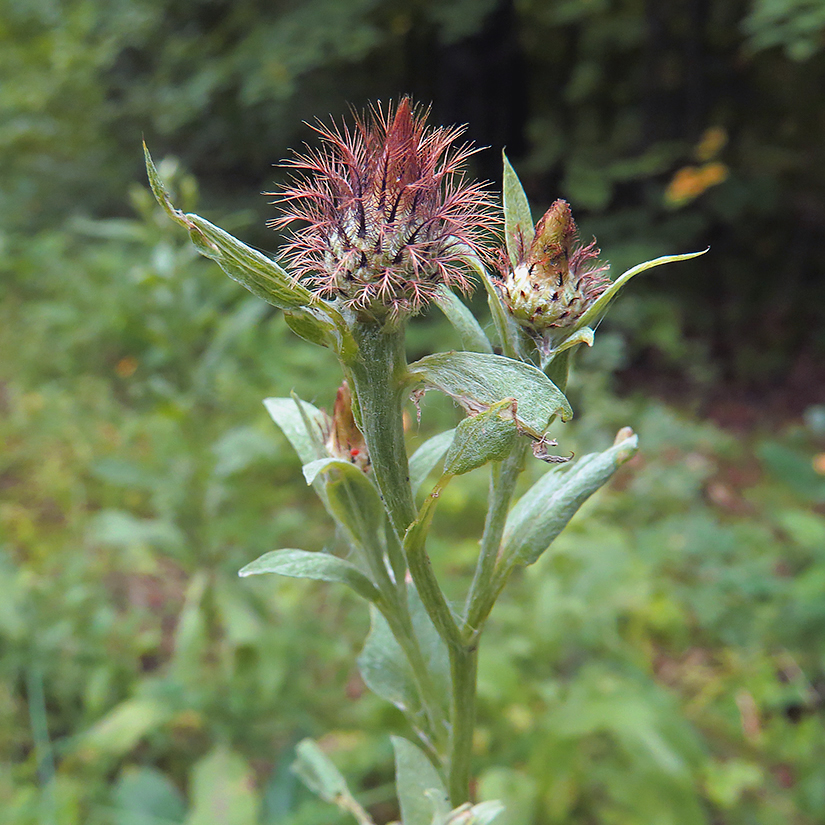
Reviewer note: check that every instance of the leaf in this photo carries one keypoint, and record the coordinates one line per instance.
(385, 668)
(488, 436)
(125, 725)
(464, 322)
(427, 456)
(223, 790)
(518, 222)
(599, 307)
(260, 275)
(300, 423)
(146, 796)
(316, 770)
(504, 324)
(482, 814)
(477, 381)
(546, 508)
(421, 792)
(351, 498)
(302, 564)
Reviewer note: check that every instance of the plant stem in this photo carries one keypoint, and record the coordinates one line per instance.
(377, 378)
(503, 480)
(464, 671)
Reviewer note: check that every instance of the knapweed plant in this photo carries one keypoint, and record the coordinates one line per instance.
(381, 222)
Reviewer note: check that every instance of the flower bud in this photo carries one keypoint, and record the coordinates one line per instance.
(343, 438)
(557, 278)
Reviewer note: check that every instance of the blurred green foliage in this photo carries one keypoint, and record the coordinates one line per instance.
(663, 664)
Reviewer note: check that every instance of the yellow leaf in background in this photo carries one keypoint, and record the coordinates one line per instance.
(712, 142)
(691, 181)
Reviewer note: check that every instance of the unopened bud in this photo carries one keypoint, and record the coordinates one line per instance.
(344, 439)
(558, 278)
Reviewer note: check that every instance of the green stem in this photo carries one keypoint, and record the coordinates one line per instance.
(482, 591)
(464, 670)
(377, 378)
(503, 480)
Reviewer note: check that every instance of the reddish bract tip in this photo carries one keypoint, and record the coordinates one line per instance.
(388, 215)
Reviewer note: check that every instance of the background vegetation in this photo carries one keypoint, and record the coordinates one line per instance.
(664, 664)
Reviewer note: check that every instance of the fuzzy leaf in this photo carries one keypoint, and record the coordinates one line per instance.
(259, 274)
(301, 564)
(427, 456)
(488, 436)
(546, 508)
(504, 324)
(300, 423)
(472, 335)
(421, 792)
(477, 381)
(599, 307)
(385, 669)
(351, 499)
(518, 222)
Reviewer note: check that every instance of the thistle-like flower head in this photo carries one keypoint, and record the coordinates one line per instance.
(389, 214)
(556, 278)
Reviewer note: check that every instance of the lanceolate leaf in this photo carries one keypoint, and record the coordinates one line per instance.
(421, 792)
(472, 335)
(250, 268)
(300, 423)
(599, 307)
(301, 564)
(477, 381)
(544, 510)
(518, 222)
(427, 456)
(505, 326)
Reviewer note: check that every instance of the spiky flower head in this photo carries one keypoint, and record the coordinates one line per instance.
(556, 278)
(389, 214)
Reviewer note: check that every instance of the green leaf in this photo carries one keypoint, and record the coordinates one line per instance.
(488, 436)
(301, 564)
(477, 381)
(427, 456)
(504, 324)
(146, 796)
(546, 508)
(125, 725)
(351, 498)
(223, 790)
(599, 307)
(385, 668)
(300, 422)
(482, 814)
(307, 326)
(316, 770)
(421, 792)
(518, 222)
(472, 335)
(260, 275)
